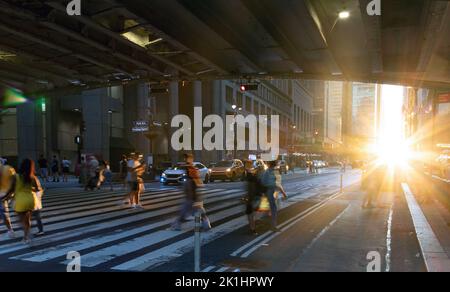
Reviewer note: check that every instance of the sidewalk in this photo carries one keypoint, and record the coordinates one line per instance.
(430, 210)
(358, 238)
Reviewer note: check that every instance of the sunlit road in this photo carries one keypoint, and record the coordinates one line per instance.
(321, 230)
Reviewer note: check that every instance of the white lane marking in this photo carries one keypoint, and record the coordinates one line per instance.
(434, 255)
(111, 224)
(96, 215)
(268, 236)
(223, 269)
(208, 269)
(325, 229)
(263, 236)
(389, 241)
(88, 260)
(106, 254)
(268, 233)
(178, 249)
(83, 211)
(145, 199)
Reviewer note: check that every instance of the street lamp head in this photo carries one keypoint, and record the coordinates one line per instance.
(344, 14)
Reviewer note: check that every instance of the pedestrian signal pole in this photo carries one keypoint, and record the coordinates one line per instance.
(197, 241)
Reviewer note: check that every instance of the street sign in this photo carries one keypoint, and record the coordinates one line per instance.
(140, 126)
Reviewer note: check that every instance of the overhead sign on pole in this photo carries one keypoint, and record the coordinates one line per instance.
(140, 126)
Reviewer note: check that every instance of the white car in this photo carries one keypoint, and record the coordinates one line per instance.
(177, 175)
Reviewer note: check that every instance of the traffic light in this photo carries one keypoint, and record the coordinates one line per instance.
(249, 87)
(78, 140)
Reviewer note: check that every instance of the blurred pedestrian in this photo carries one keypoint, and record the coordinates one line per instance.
(23, 192)
(133, 166)
(83, 172)
(92, 173)
(254, 193)
(66, 169)
(279, 186)
(193, 202)
(55, 169)
(6, 178)
(37, 210)
(269, 181)
(136, 198)
(123, 170)
(43, 168)
(374, 177)
(108, 175)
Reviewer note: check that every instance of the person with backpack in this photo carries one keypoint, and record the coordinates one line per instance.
(6, 175)
(23, 191)
(254, 194)
(269, 181)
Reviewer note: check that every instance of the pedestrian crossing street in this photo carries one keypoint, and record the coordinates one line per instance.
(111, 236)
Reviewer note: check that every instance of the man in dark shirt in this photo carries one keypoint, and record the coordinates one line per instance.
(55, 169)
(43, 167)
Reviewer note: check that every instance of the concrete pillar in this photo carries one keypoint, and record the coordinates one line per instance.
(174, 106)
(137, 108)
(98, 125)
(30, 131)
(219, 108)
(198, 102)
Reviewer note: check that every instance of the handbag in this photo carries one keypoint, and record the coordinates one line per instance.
(264, 205)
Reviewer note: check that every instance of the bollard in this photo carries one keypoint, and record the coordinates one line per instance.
(197, 241)
(342, 183)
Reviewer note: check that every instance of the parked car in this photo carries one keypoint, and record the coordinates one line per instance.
(177, 174)
(228, 170)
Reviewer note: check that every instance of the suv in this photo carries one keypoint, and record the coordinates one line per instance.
(232, 170)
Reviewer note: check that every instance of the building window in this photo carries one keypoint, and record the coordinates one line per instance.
(302, 120)
(263, 110)
(229, 95)
(256, 107)
(248, 104)
(240, 100)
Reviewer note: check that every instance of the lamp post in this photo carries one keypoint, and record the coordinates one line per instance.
(234, 107)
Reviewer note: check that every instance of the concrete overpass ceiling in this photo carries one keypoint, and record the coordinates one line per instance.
(119, 41)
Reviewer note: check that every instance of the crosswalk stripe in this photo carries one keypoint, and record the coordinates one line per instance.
(146, 198)
(126, 240)
(116, 210)
(134, 217)
(208, 269)
(61, 250)
(106, 254)
(177, 249)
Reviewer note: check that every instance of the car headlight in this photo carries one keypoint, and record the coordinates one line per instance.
(229, 170)
(164, 175)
